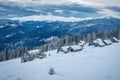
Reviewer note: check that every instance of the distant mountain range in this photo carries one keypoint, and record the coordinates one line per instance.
(35, 33)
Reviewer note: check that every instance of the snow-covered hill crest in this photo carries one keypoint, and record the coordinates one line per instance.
(92, 63)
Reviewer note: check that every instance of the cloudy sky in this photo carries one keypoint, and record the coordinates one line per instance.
(59, 8)
(42, 2)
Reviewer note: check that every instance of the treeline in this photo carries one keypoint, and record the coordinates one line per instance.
(13, 53)
(57, 43)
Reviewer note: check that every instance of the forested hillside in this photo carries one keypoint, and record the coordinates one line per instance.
(56, 43)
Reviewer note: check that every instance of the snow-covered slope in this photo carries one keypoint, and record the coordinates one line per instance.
(92, 63)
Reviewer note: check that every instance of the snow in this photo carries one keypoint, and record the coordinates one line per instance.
(58, 11)
(39, 26)
(115, 38)
(100, 42)
(89, 25)
(9, 35)
(108, 41)
(48, 17)
(92, 63)
(33, 51)
(51, 38)
(65, 48)
(13, 25)
(1, 26)
(81, 43)
(75, 47)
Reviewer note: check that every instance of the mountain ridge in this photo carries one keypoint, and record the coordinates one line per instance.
(34, 31)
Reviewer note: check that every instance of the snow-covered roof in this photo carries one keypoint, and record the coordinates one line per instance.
(108, 41)
(99, 41)
(75, 47)
(81, 43)
(65, 48)
(115, 38)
